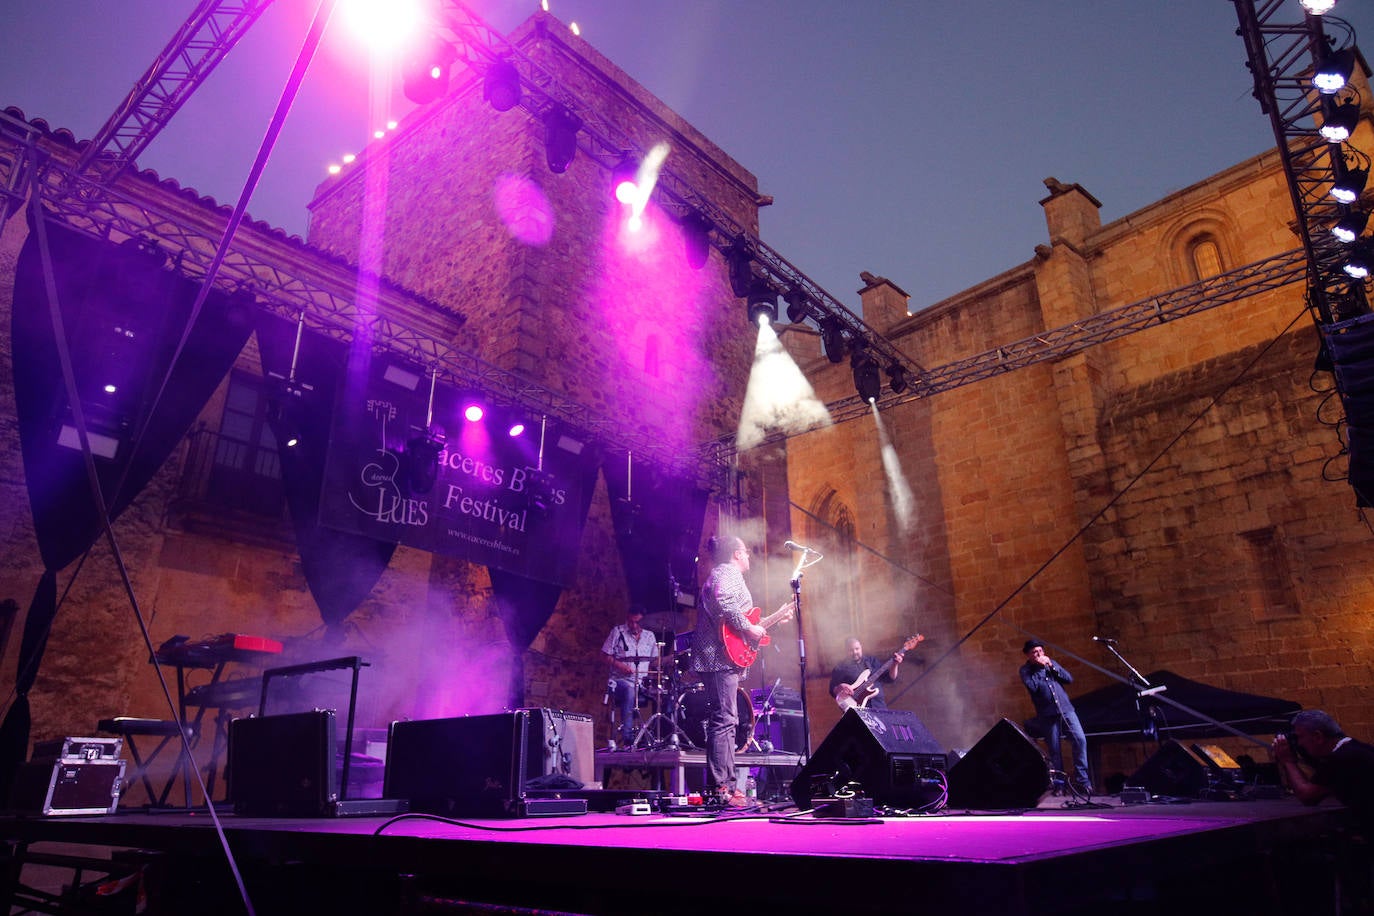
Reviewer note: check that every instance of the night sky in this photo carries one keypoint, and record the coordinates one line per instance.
(909, 139)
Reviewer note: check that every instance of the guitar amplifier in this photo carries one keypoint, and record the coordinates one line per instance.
(502, 765)
(71, 776)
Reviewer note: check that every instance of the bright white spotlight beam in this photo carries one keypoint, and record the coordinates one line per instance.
(646, 177)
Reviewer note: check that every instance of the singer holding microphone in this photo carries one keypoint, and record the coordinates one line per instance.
(629, 648)
(1055, 717)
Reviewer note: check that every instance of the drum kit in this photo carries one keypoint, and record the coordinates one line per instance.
(678, 697)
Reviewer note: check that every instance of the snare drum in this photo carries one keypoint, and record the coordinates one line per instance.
(691, 717)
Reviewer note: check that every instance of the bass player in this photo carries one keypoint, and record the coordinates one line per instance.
(854, 672)
(725, 608)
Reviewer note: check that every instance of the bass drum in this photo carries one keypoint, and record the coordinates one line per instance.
(691, 717)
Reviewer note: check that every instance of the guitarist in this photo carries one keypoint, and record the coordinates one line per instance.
(848, 672)
(725, 601)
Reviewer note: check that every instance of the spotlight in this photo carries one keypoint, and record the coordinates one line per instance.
(501, 85)
(1338, 121)
(696, 238)
(897, 379)
(623, 178)
(832, 338)
(473, 413)
(1357, 262)
(1318, 7)
(560, 138)
(739, 259)
(763, 303)
(1333, 71)
(796, 306)
(421, 461)
(868, 380)
(516, 429)
(1349, 184)
(1350, 227)
(424, 76)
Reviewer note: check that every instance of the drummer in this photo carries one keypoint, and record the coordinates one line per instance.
(630, 649)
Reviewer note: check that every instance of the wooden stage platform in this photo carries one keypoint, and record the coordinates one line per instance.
(1221, 856)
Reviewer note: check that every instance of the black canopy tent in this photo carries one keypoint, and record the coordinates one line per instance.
(1118, 712)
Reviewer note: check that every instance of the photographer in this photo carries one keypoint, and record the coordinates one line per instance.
(1340, 766)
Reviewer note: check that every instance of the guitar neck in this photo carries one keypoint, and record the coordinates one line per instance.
(774, 617)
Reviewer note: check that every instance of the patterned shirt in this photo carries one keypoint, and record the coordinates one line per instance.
(724, 599)
(620, 644)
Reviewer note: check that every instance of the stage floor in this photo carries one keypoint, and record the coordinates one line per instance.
(1051, 859)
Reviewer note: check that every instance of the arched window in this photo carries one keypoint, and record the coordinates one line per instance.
(830, 603)
(1204, 257)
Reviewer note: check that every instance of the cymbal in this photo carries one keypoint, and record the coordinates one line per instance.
(670, 621)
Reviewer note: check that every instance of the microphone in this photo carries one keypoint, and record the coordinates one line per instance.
(1104, 640)
(793, 545)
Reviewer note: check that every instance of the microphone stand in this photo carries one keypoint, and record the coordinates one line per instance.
(1146, 711)
(801, 652)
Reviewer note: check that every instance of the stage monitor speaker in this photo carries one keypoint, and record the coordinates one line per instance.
(486, 766)
(1005, 769)
(889, 753)
(283, 766)
(1172, 770)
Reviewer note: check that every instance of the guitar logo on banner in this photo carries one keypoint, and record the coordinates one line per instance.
(479, 494)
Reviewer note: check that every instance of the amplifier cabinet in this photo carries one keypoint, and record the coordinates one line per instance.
(284, 765)
(486, 766)
(70, 776)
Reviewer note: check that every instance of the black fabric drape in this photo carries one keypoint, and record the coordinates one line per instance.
(340, 568)
(526, 604)
(658, 518)
(123, 315)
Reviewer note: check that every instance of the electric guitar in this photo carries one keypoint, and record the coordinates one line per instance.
(866, 685)
(741, 650)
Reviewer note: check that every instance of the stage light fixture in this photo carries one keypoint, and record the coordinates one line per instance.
(1333, 71)
(1358, 261)
(868, 380)
(763, 303)
(696, 238)
(501, 85)
(796, 306)
(560, 138)
(832, 339)
(516, 429)
(896, 376)
(424, 76)
(1338, 121)
(623, 178)
(421, 461)
(1349, 184)
(473, 413)
(1318, 7)
(1350, 227)
(740, 261)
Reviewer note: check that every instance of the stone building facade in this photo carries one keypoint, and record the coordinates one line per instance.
(1168, 488)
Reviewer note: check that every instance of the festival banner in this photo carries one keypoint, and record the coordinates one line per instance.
(408, 467)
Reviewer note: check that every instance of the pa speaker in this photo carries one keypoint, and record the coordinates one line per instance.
(1005, 769)
(888, 753)
(1173, 770)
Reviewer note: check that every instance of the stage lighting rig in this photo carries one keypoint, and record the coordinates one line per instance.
(896, 375)
(560, 138)
(501, 85)
(1351, 226)
(833, 340)
(424, 75)
(868, 380)
(762, 302)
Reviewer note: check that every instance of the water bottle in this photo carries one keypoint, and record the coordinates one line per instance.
(751, 787)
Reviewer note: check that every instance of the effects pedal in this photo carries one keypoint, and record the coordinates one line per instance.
(636, 808)
(846, 806)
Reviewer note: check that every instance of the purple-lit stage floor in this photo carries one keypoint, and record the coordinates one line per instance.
(1046, 860)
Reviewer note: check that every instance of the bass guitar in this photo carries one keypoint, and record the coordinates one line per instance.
(865, 688)
(743, 650)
